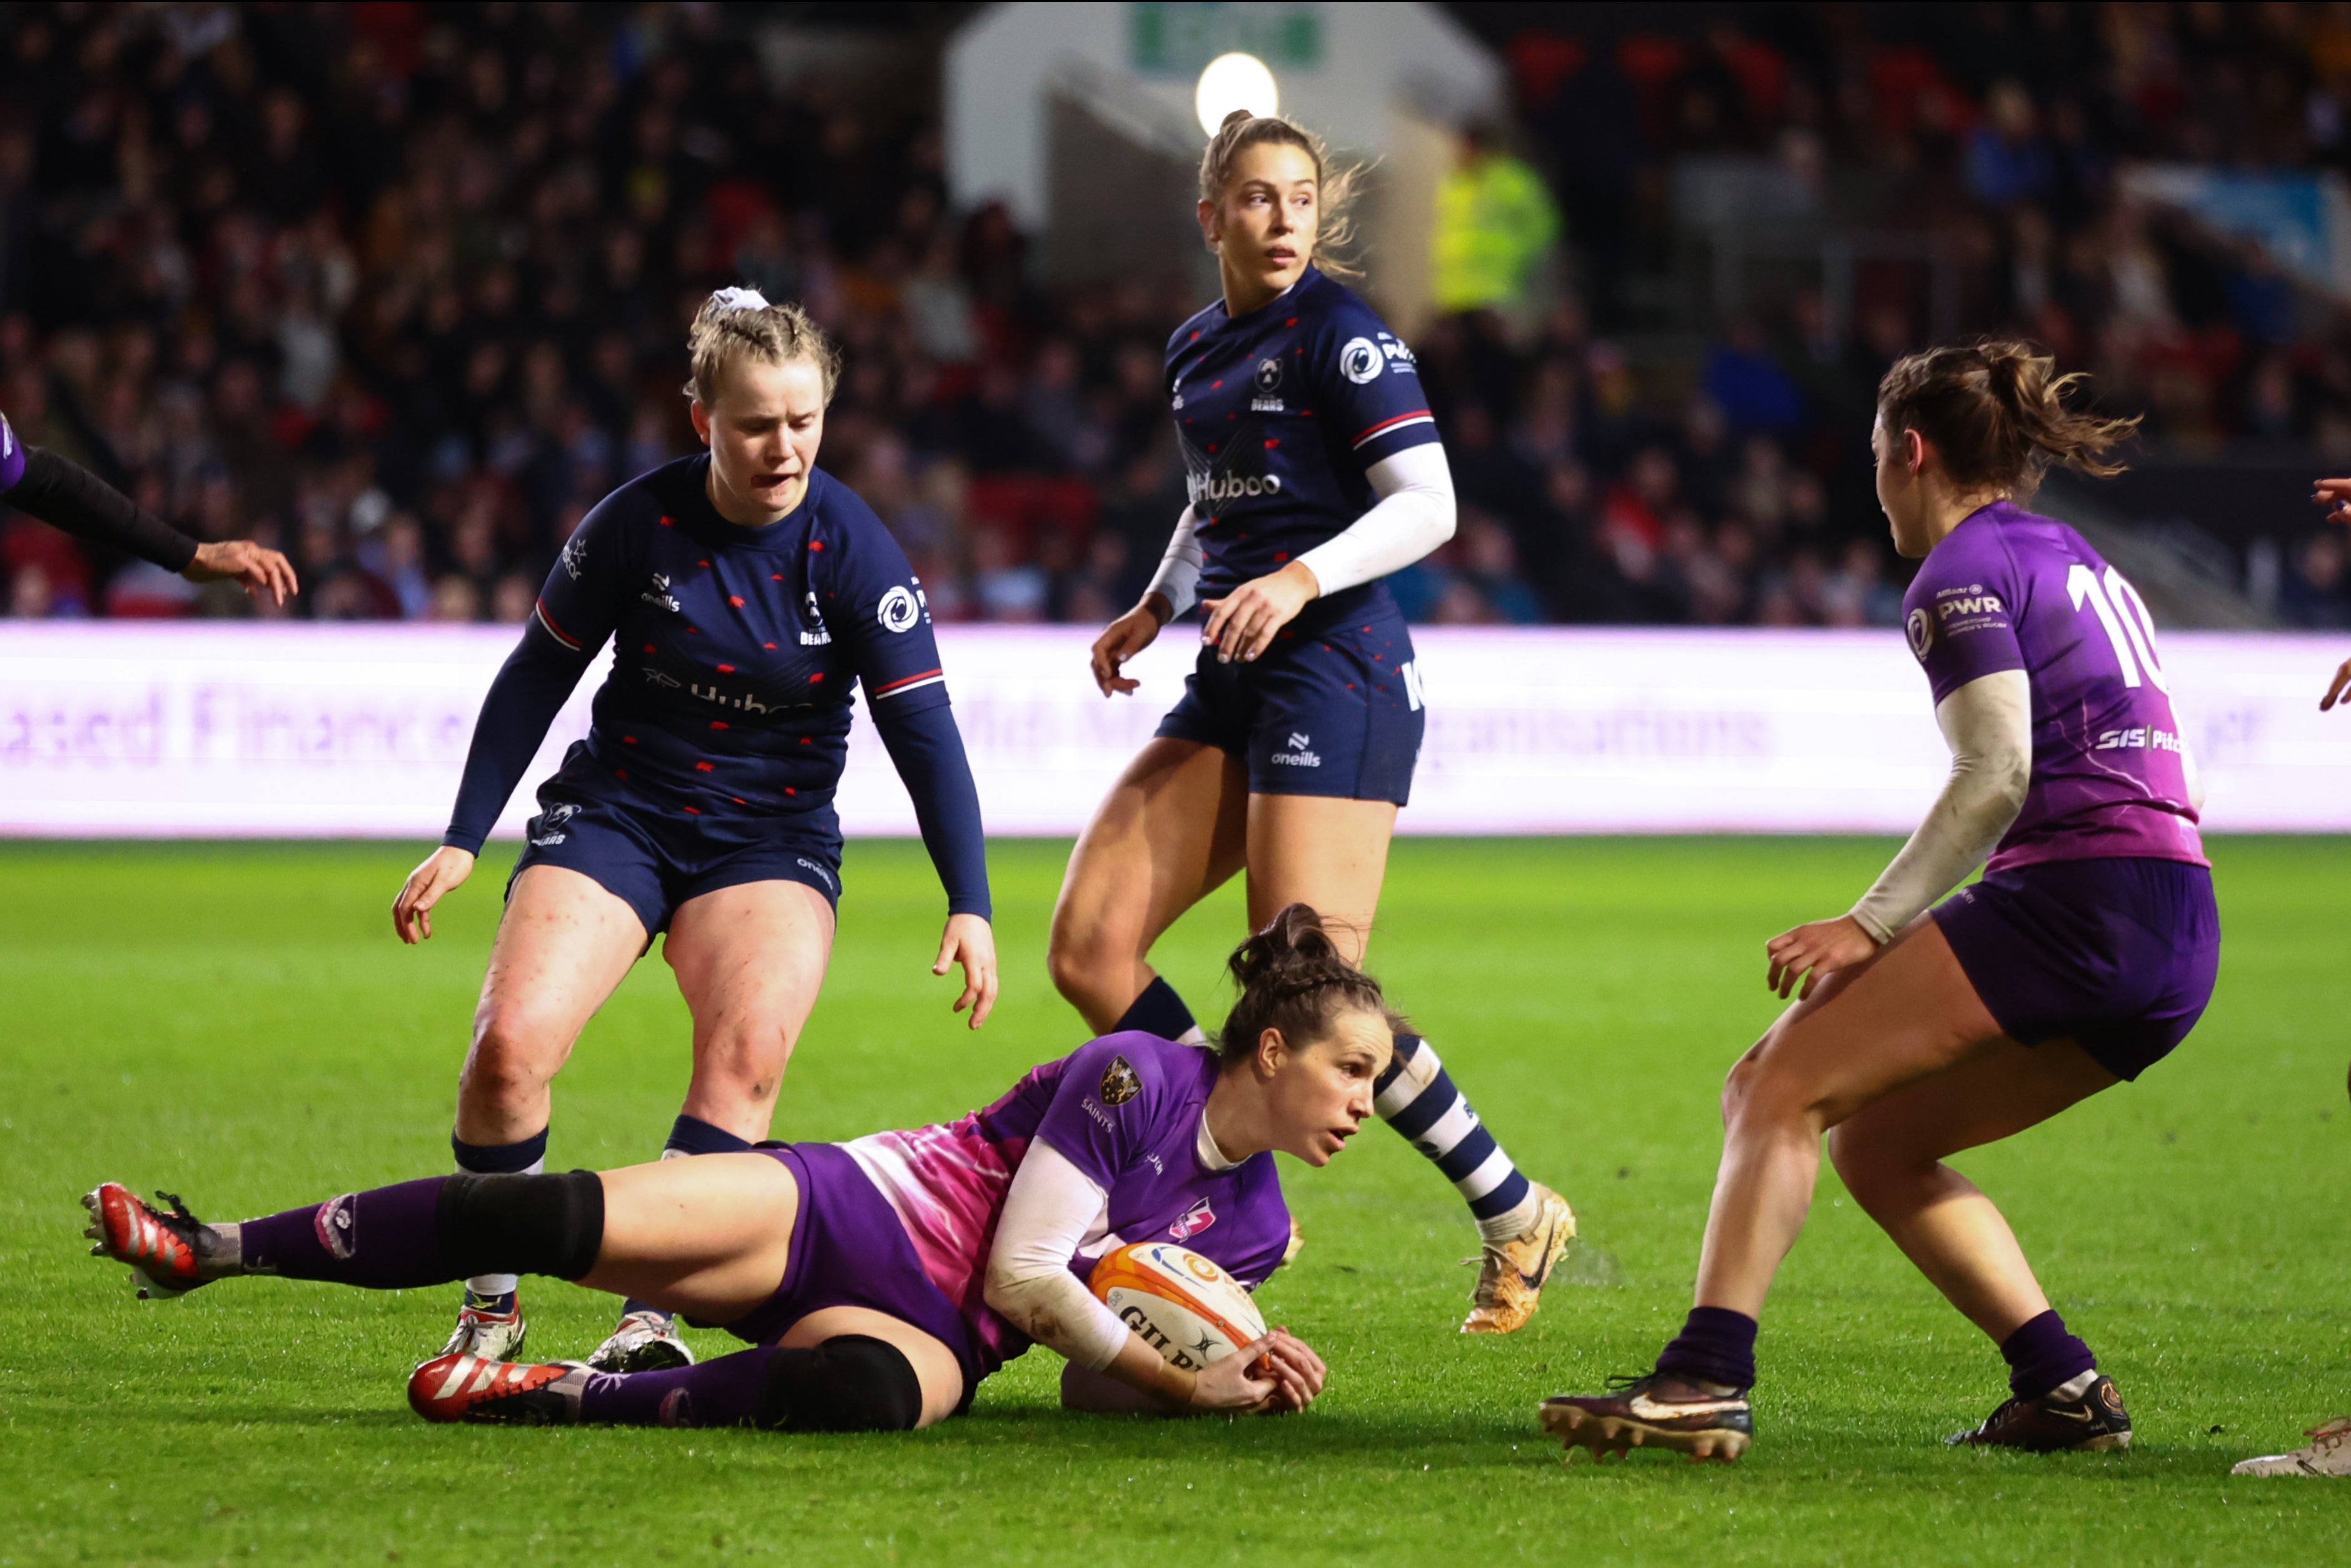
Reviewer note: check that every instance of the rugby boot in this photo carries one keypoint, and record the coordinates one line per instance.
(1511, 1275)
(171, 1253)
(490, 1327)
(2328, 1453)
(1659, 1411)
(643, 1341)
(463, 1387)
(2048, 1425)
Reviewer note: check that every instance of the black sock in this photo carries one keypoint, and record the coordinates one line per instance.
(1716, 1345)
(1158, 1011)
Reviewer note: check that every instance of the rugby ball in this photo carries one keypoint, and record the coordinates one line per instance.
(1184, 1306)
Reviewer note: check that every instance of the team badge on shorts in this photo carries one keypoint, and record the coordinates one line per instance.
(1119, 1082)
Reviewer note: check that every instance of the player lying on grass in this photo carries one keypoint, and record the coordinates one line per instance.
(2084, 955)
(882, 1278)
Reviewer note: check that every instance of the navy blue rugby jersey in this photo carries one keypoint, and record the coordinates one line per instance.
(1279, 414)
(736, 650)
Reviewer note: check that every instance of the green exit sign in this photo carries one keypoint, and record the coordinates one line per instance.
(1167, 37)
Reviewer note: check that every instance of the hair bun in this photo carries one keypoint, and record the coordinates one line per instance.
(1237, 116)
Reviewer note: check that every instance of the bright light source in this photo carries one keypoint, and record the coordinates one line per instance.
(1231, 82)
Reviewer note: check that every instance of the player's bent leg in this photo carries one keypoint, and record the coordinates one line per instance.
(1331, 852)
(563, 944)
(1173, 829)
(1890, 1156)
(750, 960)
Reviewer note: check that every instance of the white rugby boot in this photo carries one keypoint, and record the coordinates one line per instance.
(488, 1327)
(2328, 1453)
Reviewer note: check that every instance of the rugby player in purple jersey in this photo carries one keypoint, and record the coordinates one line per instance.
(1315, 471)
(879, 1280)
(2083, 957)
(747, 593)
(65, 495)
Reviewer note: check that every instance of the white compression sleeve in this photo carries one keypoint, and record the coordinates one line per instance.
(1046, 1213)
(1413, 515)
(1988, 725)
(1178, 577)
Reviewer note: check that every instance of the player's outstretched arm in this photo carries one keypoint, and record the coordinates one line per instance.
(970, 941)
(442, 872)
(256, 567)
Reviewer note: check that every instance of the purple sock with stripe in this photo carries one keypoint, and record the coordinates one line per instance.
(386, 1238)
(2042, 1354)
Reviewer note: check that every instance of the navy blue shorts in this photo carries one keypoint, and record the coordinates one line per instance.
(2118, 956)
(653, 861)
(849, 1249)
(1335, 711)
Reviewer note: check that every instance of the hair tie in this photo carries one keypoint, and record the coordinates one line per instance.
(739, 299)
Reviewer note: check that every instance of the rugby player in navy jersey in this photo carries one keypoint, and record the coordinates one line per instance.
(747, 593)
(1922, 1028)
(65, 495)
(1314, 470)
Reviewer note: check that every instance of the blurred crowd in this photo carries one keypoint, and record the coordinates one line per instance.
(403, 289)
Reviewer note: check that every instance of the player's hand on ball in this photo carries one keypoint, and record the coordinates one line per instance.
(259, 569)
(2335, 494)
(969, 940)
(1296, 1372)
(1242, 624)
(1811, 952)
(1232, 1382)
(1125, 637)
(442, 870)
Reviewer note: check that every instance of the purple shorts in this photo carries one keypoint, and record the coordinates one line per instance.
(2118, 956)
(849, 1250)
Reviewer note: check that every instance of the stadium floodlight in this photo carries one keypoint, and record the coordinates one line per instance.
(1235, 81)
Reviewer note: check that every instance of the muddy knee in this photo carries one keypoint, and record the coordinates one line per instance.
(513, 1059)
(742, 1063)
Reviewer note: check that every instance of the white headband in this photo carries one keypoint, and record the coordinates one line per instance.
(739, 299)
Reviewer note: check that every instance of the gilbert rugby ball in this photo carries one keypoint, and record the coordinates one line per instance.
(1184, 1306)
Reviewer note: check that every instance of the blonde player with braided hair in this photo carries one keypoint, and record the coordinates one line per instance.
(1314, 472)
(747, 593)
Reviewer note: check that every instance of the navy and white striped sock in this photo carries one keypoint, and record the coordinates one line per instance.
(1417, 1098)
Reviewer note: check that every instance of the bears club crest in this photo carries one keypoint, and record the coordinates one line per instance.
(1119, 1084)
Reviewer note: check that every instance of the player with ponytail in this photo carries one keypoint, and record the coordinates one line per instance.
(881, 1280)
(1315, 471)
(746, 594)
(1920, 1029)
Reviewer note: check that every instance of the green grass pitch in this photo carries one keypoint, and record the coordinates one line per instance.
(238, 1023)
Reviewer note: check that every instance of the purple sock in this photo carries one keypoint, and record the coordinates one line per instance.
(385, 1239)
(2043, 1354)
(721, 1393)
(1716, 1345)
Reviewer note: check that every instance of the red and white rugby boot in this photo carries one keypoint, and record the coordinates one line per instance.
(171, 1253)
(466, 1387)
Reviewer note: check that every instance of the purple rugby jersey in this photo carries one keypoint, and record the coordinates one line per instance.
(1124, 1109)
(2007, 590)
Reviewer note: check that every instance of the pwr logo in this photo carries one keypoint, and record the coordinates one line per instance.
(1197, 1219)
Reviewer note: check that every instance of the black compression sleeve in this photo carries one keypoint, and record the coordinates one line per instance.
(927, 750)
(67, 495)
(530, 690)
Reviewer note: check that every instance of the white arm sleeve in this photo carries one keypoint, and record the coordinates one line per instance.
(1988, 725)
(1046, 1213)
(1413, 515)
(1179, 570)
